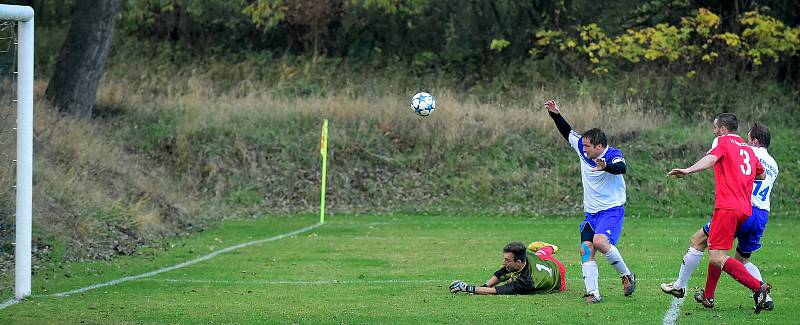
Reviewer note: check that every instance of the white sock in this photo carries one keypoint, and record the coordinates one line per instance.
(613, 258)
(590, 276)
(753, 271)
(690, 262)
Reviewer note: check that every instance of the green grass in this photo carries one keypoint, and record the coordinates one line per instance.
(395, 269)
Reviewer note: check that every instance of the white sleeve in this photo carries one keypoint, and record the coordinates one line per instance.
(713, 145)
(574, 138)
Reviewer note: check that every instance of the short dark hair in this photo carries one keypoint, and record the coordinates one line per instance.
(595, 137)
(760, 133)
(727, 120)
(518, 249)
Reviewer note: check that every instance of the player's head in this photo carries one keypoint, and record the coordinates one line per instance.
(759, 136)
(514, 256)
(594, 143)
(725, 123)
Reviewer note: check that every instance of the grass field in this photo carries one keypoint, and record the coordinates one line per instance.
(395, 269)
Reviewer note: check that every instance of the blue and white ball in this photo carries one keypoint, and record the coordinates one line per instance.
(423, 104)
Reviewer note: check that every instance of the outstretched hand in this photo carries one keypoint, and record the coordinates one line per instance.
(601, 164)
(460, 286)
(552, 107)
(678, 172)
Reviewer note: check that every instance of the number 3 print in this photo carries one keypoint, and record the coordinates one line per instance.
(746, 168)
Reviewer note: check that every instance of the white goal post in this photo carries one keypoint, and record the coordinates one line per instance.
(24, 188)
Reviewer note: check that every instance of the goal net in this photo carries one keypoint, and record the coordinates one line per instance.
(8, 145)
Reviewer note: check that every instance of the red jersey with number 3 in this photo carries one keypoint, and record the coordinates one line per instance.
(734, 172)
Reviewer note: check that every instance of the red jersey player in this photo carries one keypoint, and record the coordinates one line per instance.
(735, 167)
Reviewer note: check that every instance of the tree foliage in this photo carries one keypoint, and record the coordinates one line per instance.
(475, 38)
(696, 41)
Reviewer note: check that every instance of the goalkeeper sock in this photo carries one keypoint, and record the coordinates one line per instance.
(590, 276)
(613, 258)
(689, 264)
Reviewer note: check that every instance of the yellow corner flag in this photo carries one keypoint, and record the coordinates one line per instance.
(323, 150)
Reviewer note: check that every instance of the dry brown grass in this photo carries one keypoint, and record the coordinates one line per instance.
(458, 118)
(77, 161)
(86, 186)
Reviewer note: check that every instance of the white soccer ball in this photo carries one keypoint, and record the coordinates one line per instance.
(423, 104)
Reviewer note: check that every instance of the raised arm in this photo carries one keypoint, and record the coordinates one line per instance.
(555, 114)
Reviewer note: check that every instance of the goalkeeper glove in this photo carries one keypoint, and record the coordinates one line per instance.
(459, 286)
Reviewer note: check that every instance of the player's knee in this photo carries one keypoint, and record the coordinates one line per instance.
(586, 252)
(700, 246)
(601, 244)
(700, 241)
(742, 259)
(742, 256)
(717, 259)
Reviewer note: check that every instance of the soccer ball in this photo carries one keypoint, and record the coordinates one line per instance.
(423, 104)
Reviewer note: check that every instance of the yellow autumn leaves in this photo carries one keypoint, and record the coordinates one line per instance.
(696, 40)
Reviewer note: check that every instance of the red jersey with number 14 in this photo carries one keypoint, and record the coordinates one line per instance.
(734, 172)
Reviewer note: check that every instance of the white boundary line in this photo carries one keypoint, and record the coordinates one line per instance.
(281, 282)
(166, 269)
(8, 302)
(672, 313)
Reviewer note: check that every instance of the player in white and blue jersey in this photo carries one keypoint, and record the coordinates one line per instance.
(748, 233)
(604, 198)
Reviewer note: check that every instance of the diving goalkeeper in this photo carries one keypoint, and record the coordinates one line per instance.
(525, 271)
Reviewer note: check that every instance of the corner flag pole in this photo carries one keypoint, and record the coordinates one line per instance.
(323, 149)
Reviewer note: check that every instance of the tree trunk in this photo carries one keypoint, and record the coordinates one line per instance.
(77, 74)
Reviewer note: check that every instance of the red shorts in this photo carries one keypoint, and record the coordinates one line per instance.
(562, 272)
(724, 223)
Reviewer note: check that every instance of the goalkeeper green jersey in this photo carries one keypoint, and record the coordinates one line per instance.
(538, 276)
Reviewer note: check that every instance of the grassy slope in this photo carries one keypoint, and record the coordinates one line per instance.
(426, 251)
(259, 154)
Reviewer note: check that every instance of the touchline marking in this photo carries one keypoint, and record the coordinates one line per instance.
(293, 282)
(8, 302)
(185, 264)
(672, 313)
(167, 269)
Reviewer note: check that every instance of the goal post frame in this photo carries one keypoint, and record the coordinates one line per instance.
(24, 188)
